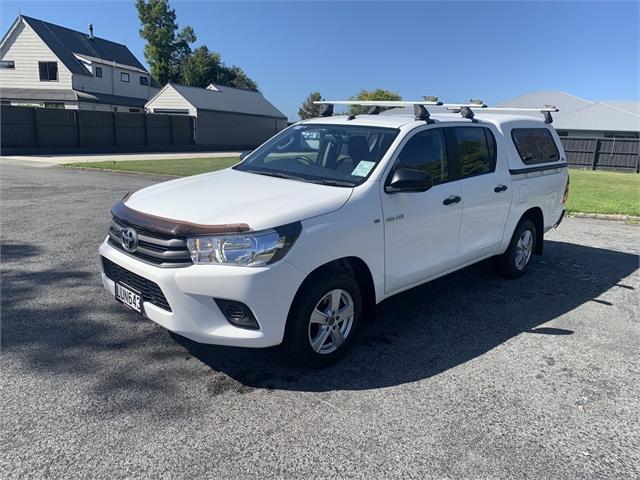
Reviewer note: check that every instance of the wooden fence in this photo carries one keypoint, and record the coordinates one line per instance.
(46, 129)
(622, 154)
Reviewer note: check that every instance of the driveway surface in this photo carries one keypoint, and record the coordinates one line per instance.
(471, 376)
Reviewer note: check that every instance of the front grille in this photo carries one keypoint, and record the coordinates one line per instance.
(159, 250)
(149, 290)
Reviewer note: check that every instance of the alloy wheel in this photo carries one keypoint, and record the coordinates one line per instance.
(524, 249)
(331, 321)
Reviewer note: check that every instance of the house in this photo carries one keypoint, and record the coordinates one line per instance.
(46, 65)
(585, 118)
(225, 116)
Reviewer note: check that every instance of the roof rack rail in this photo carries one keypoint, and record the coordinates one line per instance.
(546, 111)
(421, 112)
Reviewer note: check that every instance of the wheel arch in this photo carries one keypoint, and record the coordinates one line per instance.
(358, 269)
(537, 217)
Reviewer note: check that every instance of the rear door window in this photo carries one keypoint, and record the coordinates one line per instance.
(476, 150)
(535, 145)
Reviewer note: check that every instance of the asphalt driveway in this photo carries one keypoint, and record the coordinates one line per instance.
(470, 376)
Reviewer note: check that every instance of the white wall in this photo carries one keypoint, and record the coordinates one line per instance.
(169, 98)
(112, 84)
(26, 49)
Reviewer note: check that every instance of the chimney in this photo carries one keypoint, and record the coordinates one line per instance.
(91, 31)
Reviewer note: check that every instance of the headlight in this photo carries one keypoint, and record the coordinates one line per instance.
(252, 249)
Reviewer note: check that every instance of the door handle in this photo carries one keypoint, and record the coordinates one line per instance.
(452, 199)
(500, 188)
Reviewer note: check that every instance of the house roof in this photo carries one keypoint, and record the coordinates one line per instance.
(226, 99)
(51, 94)
(598, 116)
(564, 101)
(64, 42)
(626, 105)
(580, 114)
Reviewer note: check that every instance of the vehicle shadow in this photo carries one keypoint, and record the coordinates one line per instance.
(57, 321)
(437, 326)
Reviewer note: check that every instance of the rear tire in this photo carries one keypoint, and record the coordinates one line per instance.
(324, 319)
(514, 262)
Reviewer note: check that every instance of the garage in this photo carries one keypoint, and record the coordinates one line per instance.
(226, 117)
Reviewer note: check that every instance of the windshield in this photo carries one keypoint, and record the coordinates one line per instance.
(340, 155)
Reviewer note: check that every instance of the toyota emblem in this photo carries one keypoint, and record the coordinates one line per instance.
(129, 239)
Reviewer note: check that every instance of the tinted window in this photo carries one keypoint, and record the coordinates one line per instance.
(535, 145)
(144, 81)
(476, 148)
(99, 72)
(426, 151)
(48, 71)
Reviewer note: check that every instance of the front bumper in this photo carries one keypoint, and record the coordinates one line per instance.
(190, 291)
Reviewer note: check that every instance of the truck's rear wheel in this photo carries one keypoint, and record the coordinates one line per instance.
(324, 320)
(514, 262)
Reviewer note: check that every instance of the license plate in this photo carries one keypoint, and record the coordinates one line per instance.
(129, 297)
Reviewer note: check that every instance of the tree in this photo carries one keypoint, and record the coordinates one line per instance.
(203, 67)
(200, 68)
(308, 109)
(164, 49)
(377, 94)
(239, 79)
(170, 56)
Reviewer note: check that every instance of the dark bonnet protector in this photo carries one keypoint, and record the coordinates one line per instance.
(169, 227)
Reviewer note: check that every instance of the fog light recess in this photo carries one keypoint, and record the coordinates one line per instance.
(237, 314)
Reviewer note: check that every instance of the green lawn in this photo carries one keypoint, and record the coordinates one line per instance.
(591, 191)
(181, 167)
(604, 192)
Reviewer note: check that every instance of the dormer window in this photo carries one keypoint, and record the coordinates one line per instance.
(144, 81)
(124, 77)
(48, 71)
(98, 72)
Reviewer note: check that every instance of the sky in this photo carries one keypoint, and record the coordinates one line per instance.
(455, 50)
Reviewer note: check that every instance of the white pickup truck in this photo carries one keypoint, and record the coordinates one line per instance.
(299, 241)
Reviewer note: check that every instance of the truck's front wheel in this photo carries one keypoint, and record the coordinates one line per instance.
(514, 262)
(324, 320)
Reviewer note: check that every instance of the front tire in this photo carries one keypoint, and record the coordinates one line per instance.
(514, 262)
(324, 319)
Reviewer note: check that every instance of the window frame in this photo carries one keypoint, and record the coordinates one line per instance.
(124, 75)
(146, 81)
(535, 164)
(48, 62)
(405, 141)
(453, 139)
(7, 64)
(97, 71)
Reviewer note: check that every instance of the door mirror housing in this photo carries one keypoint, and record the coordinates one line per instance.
(409, 180)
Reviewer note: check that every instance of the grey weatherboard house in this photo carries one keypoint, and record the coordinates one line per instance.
(225, 116)
(47, 65)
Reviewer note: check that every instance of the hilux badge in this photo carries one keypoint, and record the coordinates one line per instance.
(129, 239)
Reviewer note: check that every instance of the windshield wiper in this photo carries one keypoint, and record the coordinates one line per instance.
(275, 174)
(334, 183)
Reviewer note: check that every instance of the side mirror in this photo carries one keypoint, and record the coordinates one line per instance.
(409, 180)
(244, 155)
